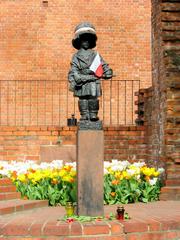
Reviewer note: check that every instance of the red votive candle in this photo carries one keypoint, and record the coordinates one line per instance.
(120, 213)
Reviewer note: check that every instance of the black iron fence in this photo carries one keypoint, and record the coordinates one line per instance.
(46, 102)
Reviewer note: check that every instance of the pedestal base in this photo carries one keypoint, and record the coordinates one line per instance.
(90, 157)
(89, 125)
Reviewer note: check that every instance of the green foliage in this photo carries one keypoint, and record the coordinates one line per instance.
(59, 193)
(129, 190)
(123, 183)
(82, 218)
(125, 191)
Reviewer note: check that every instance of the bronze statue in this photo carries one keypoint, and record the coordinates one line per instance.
(87, 68)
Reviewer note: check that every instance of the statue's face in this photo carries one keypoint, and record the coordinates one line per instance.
(85, 42)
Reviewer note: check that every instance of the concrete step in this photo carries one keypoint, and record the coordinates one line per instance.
(170, 193)
(9, 195)
(16, 205)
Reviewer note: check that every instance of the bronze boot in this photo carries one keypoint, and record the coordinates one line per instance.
(83, 108)
(93, 105)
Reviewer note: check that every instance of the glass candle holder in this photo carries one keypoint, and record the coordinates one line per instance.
(69, 209)
(120, 213)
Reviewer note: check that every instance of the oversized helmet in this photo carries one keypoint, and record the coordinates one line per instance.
(81, 29)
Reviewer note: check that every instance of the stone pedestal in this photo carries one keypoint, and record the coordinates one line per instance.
(90, 157)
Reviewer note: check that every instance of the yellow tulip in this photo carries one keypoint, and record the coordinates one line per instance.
(67, 178)
(73, 173)
(62, 173)
(21, 177)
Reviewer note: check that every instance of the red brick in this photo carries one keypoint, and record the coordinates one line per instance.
(171, 235)
(65, 128)
(116, 228)
(7, 210)
(89, 229)
(154, 225)
(75, 229)
(56, 230)
(43, 133)
(35, 158)
(133, 236)
(132, 226)
(152, 236)
(7, 128)
(33, 128)
(55, 133)
(20, 133)
(169, 224)
(4, 133)
(7, 189)
(5, 181)
(8, 196)
(119, 237)
(35, 229)
(15, 230)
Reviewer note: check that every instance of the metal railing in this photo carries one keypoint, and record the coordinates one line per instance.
(47, 102)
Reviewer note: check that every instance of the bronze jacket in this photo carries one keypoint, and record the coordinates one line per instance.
(82, 80)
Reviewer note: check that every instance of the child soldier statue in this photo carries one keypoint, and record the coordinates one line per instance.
(87, 68)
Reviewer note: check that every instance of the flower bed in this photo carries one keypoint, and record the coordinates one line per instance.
(123, 182)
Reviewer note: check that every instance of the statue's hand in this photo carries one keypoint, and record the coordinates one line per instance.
(83, 78)
(108, 74)
(77, 77)
(89, 78)
(87, 72)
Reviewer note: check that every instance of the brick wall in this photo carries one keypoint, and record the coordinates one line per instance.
(155, 97)
(24, 143)
(35, 44)
(171, 40)
(36, 38)
(125, 143)
(171, 57)
(161, 102)
(151, 101)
